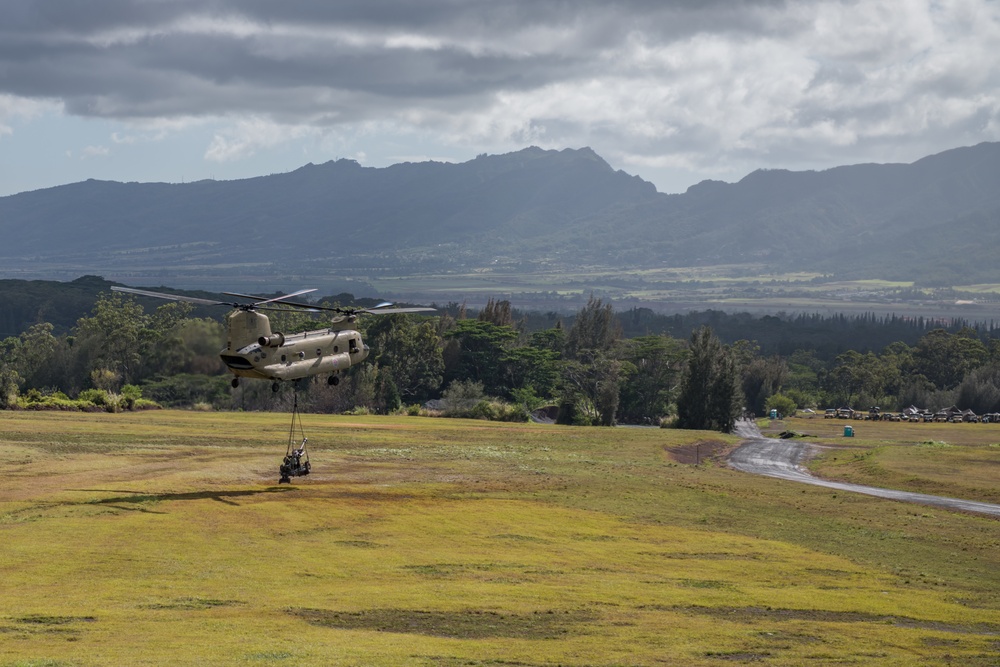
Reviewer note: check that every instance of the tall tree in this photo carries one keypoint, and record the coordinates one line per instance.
(478, 355)
(409, 352)
(762, 378)
(595, 328)
(653, 371)
(710, 396)
(498, 313)
(945, 358)
(114, 335)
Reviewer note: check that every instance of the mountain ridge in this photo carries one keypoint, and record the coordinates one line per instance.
(555, 208)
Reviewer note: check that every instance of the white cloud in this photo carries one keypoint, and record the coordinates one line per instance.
(246, 136)
(26, 107)
(94, 151)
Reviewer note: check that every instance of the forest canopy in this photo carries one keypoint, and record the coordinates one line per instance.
(596, 366)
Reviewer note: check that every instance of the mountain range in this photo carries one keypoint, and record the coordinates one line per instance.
(935, 221)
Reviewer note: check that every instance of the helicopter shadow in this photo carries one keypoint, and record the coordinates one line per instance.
(135, 501)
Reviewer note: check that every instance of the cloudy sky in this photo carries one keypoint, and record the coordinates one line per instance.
(675, 91)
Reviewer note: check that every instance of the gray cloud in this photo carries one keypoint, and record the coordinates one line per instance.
(707, 86)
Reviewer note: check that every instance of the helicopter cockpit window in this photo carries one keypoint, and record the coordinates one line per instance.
(353, 344)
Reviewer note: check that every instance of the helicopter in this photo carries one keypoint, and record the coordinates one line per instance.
(254, 351)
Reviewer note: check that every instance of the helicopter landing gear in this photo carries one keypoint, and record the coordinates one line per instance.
(235, 383)
(296, 461)
(333, 380)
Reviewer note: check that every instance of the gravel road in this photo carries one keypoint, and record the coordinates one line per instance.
(783, 459)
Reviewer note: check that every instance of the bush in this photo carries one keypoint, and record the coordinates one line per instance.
(130, 394)
(96, 396)
(466, 399)
(495, 410)
(9, 383)
(55, 403)
(783, 404)
(461, 397)
(187, 389)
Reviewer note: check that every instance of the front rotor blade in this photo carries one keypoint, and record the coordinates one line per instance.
(300, 306)
(171, 297)
(260, 300)
(392, 311)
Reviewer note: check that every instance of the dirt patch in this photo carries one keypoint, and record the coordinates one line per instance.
(700, 452)
(468, 624)
(757, 614)
(194, 604)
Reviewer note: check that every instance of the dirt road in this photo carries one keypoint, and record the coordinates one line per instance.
(783, 459)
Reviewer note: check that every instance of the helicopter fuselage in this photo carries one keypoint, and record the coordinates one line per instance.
(254, 351)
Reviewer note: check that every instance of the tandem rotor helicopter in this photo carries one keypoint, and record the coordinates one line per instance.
(254, 351)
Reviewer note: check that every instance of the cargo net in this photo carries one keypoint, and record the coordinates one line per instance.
(296, 462)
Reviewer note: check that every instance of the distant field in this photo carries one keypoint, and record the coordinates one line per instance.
(992, 288)
(679, 289)
(163, 538)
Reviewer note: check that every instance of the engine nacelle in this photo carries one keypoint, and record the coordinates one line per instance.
(274, 340)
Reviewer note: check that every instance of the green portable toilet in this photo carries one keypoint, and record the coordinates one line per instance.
(774, 414)
(848, 431)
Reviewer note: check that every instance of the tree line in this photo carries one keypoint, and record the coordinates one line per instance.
(499, 363)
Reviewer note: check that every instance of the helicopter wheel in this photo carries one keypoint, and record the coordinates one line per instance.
(275, 387)
(333, 380)
(235, 383)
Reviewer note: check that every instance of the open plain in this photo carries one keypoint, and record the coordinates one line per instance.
(163, 538)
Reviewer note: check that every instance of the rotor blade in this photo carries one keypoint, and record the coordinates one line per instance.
(245, 296)
(171, 297)
(375, 310)
(392, 311)
(301, 307)
(260, 300)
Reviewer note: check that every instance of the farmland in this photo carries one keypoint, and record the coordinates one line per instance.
(163, 538)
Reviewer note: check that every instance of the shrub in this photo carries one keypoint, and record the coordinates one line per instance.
(783, 404)
(96, 396)
(187, 389)
(461, 397)
(130, 394)
(9, 383)
(492, 410)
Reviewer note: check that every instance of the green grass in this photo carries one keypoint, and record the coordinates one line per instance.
(163, 538)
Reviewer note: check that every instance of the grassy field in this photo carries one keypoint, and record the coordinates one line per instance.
(163, 538)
